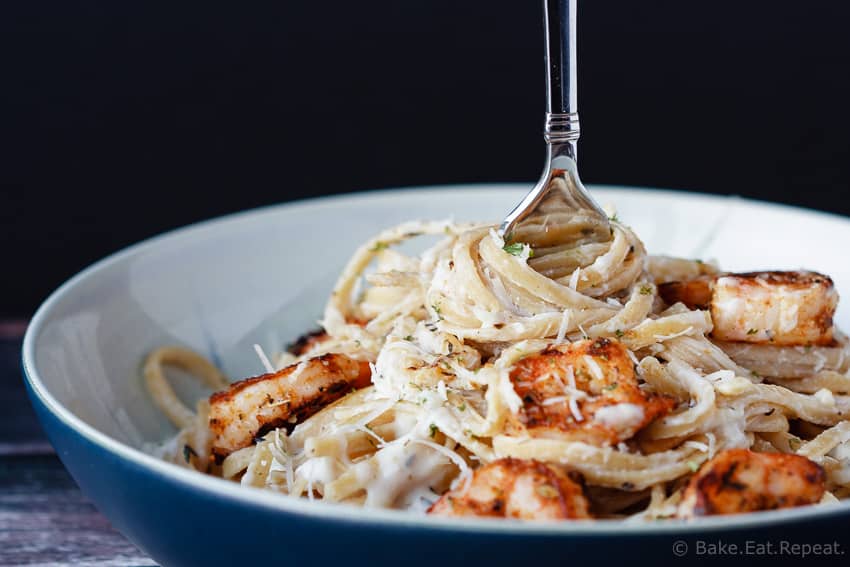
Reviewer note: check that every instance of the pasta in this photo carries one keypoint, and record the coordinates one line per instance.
(445, 334)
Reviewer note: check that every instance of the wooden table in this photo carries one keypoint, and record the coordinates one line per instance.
(44, 518)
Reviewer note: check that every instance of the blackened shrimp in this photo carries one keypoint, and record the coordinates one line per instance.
(779, 308)
(739, 480)
(583, 391)
(516, 488)
(254, 406)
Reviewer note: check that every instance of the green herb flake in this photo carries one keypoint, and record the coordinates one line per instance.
(610, 387)
(693, 465)
(620, 334)
(614, 218)
(461, 407)
(752, 331)
(380, 245)
(188, 452)
(433, 429)
(514, 248)
(409, 338)
(794, 443)
(646, 290)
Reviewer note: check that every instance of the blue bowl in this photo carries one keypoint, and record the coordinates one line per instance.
(261, 277)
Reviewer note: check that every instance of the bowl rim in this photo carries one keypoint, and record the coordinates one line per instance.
(333, 512)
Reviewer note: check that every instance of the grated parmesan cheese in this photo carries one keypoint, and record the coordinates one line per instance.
(562, 328)
(574, 279)
(575, 411)
(620, 416)
(681, 333)
(825, 397)
(261, 354)
(593, 367)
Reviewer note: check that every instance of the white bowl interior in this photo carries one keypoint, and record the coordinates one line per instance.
(263, 276)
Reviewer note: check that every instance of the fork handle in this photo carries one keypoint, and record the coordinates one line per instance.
(562, 125)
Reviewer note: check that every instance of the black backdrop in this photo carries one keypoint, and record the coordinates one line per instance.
(123, 119)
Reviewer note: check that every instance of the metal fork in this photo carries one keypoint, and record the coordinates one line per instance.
(559, 211)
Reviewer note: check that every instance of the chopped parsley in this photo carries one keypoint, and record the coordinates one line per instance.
(693, 465)
(614, 218)
(188, 452)
(433, 429)
(461, 407)
(752, 331)
(380, 245)
(408, 338)
(620, 334)
(516, 248)
(645, 290)
(438, 311)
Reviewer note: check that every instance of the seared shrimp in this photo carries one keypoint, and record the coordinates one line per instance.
(779, 308)
(252, 407)
(516, 488)
(583, 391)
(739, 480)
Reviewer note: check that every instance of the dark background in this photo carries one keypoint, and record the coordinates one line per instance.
(122, 119)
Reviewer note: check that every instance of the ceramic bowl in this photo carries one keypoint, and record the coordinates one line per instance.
(262, 277)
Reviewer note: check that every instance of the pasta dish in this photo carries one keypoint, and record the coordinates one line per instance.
(511, 380)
